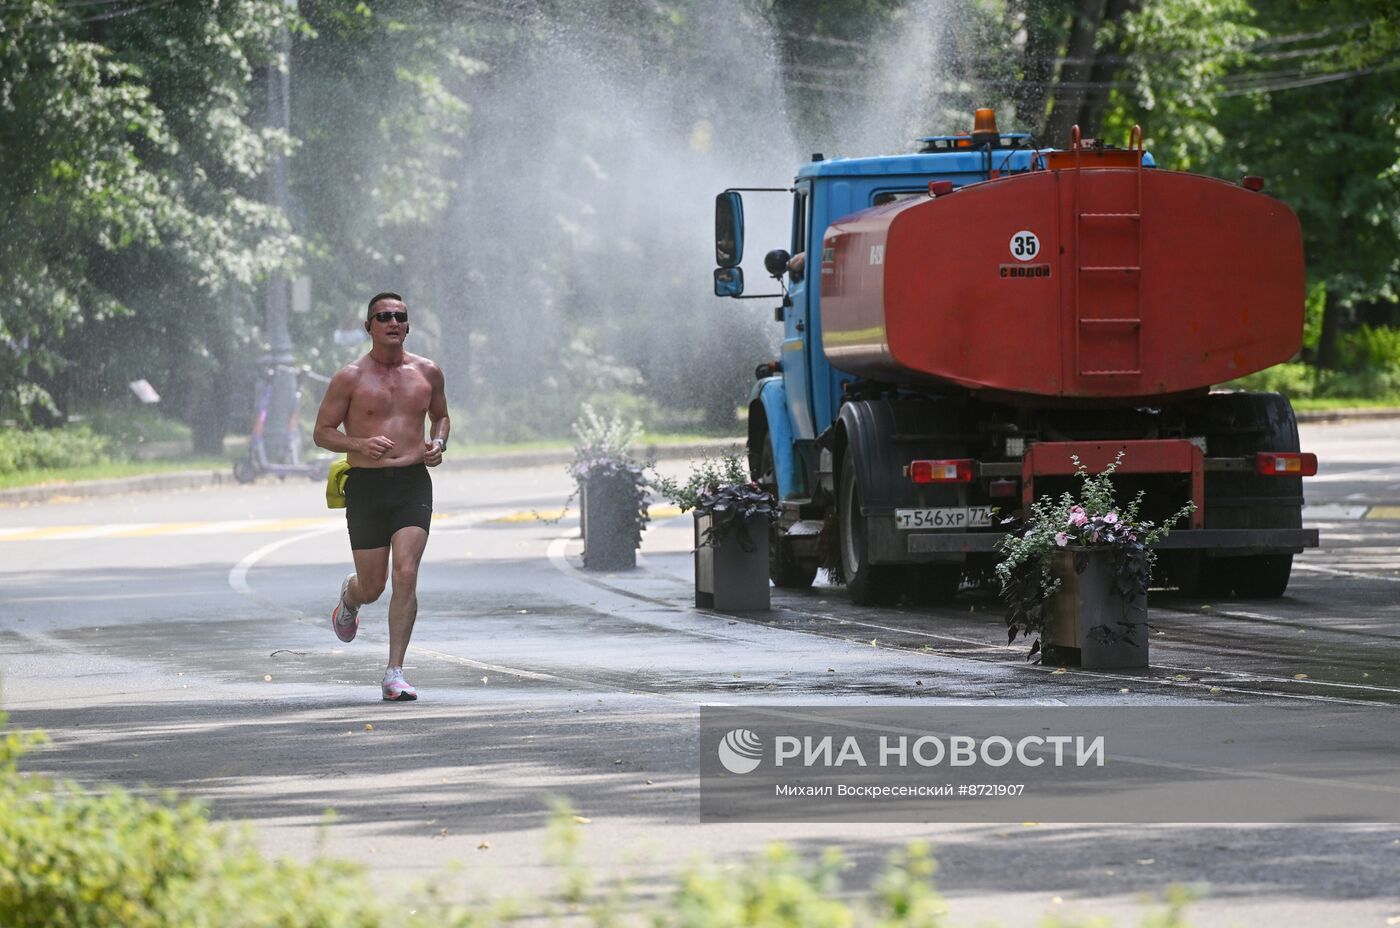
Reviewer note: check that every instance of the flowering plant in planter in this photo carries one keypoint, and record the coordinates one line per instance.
(1093, 520)
(720, 488)
(603, 450)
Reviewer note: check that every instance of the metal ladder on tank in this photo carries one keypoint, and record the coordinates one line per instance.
(1093, 274)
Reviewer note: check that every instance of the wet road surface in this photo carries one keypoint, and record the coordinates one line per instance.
(181, 641)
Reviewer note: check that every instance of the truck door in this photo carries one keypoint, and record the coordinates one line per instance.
(796, 362)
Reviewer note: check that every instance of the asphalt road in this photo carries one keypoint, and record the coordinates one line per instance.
(181, 641)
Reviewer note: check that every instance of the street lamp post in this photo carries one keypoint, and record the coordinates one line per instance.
(279, 358)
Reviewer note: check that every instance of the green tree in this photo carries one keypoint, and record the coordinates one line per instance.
(1315, 113)
(138, 233)
(74, 185)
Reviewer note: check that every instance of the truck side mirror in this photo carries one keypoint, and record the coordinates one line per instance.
(729, 281)
(729, 230)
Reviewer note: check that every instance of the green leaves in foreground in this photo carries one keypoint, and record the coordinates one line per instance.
(70, 858)
(111, 859)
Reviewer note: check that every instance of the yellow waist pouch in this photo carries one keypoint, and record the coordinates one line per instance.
(335, 484)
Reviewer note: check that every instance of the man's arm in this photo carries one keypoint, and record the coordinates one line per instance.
(334, 408)
(439, 423)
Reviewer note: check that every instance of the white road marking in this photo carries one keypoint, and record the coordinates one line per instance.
(238, 576)
(1344, 573)
(1366, 474)
(1333, 511)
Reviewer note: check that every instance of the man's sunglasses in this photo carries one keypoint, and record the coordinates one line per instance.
(387, 315)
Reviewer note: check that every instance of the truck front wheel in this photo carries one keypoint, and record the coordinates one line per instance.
(786, 571)
(868, 584)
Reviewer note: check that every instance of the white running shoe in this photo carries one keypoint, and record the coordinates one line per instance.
(344, 620)
(396, 688)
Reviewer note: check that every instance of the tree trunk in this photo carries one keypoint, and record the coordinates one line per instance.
(206, 393)
(207, 415)
(1332, 324)
(1079, 62)
(1106, 67)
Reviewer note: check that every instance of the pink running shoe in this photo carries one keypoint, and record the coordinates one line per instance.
(396, 688)
(344, 620)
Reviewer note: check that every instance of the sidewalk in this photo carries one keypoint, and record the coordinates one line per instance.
(186, 480)
(194, 479)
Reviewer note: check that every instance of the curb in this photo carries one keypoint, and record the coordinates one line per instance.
(87, 489)
(196, 479)
(1348, 415)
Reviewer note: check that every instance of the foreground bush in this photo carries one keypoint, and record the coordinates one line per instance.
(75, 859)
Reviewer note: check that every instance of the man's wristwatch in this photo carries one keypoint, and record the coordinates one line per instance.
(441, 443)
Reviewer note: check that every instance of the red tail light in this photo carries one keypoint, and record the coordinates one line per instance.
(1285, 464)
(957, 471)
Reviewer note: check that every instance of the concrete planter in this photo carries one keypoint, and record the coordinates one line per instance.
(610, 532)
(1086, 601)
(728, 578)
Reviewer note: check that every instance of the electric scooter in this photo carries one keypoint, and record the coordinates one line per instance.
(255, 463)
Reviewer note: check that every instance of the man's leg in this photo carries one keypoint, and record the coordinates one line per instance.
(408, 544)
(371, 573)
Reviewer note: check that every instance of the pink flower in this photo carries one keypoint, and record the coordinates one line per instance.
(1061, 539)
(1111, 518)
(1077, 516)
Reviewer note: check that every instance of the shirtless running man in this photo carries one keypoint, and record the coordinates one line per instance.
(382, 400)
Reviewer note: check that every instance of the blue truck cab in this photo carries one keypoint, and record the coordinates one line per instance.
(801, 398)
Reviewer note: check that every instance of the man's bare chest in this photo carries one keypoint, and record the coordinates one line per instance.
(399, 394)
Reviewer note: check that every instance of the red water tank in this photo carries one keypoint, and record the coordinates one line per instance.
(1095, 282)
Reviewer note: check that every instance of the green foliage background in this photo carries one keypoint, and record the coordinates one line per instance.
(138, 237)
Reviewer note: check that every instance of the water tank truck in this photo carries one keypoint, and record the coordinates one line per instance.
(960, 322)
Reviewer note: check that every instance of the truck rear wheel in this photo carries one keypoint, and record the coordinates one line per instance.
(869, 584)
(1262, 576)
(786, 571)
(1242, 424)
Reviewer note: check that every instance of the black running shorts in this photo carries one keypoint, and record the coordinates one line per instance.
(381, 500)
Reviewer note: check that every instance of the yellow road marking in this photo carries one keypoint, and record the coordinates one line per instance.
(518, 517)
(284, 525)
(239, 526)
(655, 512)
(53, 531)
(164, 528)
(1383, 512)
